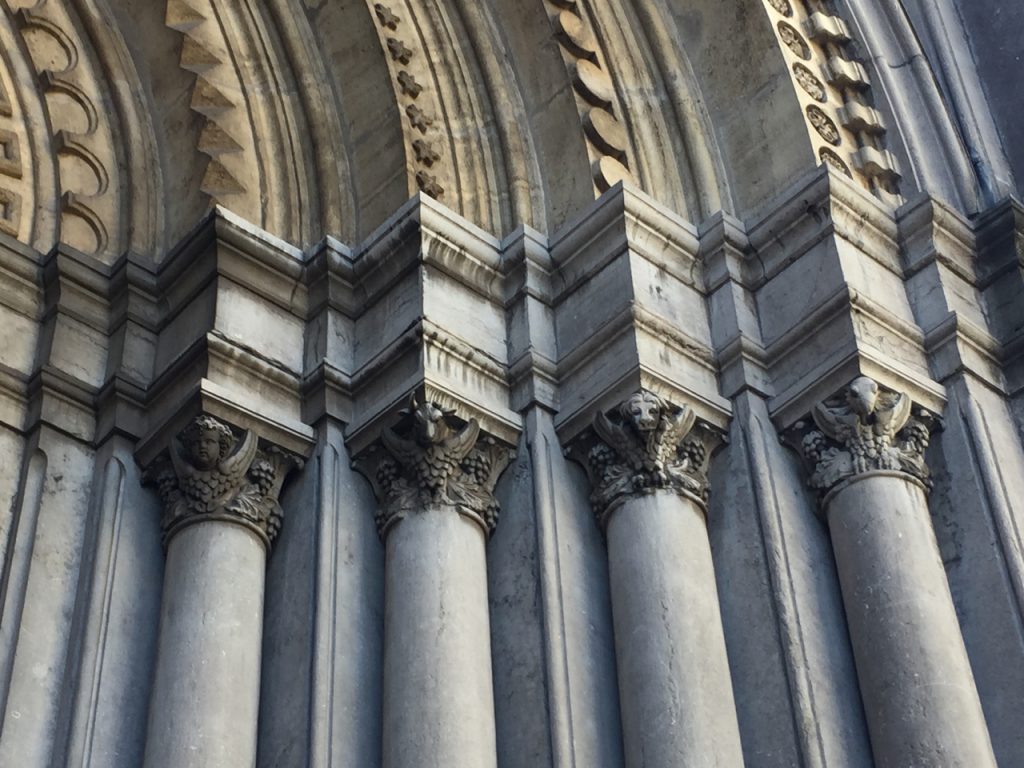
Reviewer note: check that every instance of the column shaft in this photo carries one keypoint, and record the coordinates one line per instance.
(205, 699)
(919, 694)
(438, 694)
(674, 683)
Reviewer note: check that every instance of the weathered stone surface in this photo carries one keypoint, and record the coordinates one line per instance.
(919, 693)
(289, 216)
(674, 682)
(210, 639)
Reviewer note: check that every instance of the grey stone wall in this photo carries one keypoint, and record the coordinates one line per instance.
(492, 316)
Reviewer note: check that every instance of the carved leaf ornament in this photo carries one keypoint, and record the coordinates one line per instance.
(215, 475)
(645, 445)
(865, 429)
(429, 461)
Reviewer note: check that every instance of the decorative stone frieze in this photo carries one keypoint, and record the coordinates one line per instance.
(645, 445)
(431, 459)
(864, 429)
(213, 474)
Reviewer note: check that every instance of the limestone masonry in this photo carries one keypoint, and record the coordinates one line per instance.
(511, 384)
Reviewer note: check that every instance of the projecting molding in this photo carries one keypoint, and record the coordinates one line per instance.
(629, 312)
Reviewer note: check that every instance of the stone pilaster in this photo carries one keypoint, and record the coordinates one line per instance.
(434, 476)
(221, 514)
(647, 461)
(866, 449)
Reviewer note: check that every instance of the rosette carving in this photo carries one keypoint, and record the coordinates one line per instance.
(213, 474)
(644, 445)
(430, 460)
(865, 429)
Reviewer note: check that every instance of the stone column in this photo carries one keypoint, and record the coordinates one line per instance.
(648, 470)
(220, 515)
(867, 458)
(434, 480)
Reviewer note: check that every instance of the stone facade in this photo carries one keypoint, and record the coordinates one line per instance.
(499, 384)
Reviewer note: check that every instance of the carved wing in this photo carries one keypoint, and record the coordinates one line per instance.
(235, 466)
(895, 415)
(458, 446)
(837, 423)
(182, 468)
(677, 427)
(618, 438)
(406, 451)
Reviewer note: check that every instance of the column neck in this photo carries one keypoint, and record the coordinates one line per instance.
(213, 472)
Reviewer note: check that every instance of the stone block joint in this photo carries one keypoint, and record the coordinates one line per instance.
(431, 459)
(213, 474)
(644, 445)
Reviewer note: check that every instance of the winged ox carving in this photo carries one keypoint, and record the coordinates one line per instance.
(430, 461)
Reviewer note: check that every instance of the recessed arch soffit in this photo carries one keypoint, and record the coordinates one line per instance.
(74, 129)
(472, 135)
(305, 139)
(475, 133)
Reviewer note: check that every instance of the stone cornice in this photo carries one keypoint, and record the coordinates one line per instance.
(630, 311)
(723, 247)
(999, 230)
(529, 292)
(78, 286)
(224, 245)
(624, 219)
(822, 204)
(931, 232)
(425, 232)
(21, 269)
(214, 399)
(528, 266)
(331, 279)
(626, 297)
(957, 344)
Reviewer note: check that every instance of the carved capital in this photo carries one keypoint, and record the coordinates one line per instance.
(864, 429)
(213, 473)
(644, 445)
(433, 459)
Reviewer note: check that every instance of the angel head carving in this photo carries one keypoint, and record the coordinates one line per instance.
(644, 410)
(214, 471)
(207, 442)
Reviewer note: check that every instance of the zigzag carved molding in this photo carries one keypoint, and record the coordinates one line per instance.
(225, 135)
